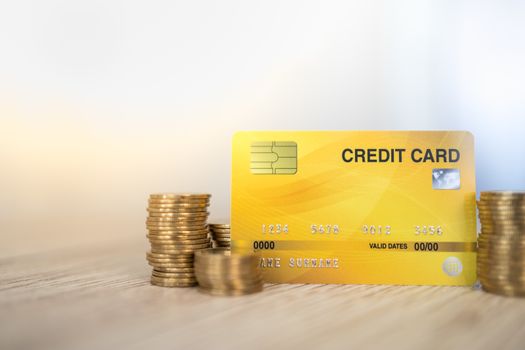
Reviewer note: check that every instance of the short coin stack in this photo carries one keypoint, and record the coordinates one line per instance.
(220, 271)
(501, 244)
(220, 234)
(177, 228)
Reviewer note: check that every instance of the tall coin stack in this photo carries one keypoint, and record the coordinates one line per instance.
(501, 244)
(223, 272)
(220, 234)
(177, 228)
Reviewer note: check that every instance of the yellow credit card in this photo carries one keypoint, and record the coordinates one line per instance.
(371, 207)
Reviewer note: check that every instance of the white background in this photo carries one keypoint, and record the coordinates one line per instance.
(103, 102)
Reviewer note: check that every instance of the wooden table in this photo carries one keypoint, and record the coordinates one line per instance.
(95, 294)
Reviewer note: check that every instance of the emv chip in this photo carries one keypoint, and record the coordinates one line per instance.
(273, 157)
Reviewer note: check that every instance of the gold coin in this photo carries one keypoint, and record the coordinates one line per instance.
(175, 211)
(502, 194)
(181, 216)
(179, 220)
(178, 244)
(502, 241)
(166, 265)
(231, 265)
(180, 279)
(179, 263)
(165, 203)
(176, 227)
(503, 274)
(172, 263)
(507, 234)
(500, 270)
(183, 263)
(502, 256)
(178, 239)
(187, 257)
(505, 293)
(500, 248)
(220, 233)
(497, 207)
(502, 280)
(176, 220)
(501, 283)
(502, 253)
(164, 207)
(502, 238)
(166, 226)
(225, 254)
(222, 292)
(176, 230)
(161, 282)
(173, 260)
(220, 226)
(178, 258)
(228, 271)
(174, 246)
(185, 195)
(174, 214)
(501, 217)
(228, 282)
(175, 269)
(178, 251)
(175, 238)
(225, 286)
(503, 289)
(495, 223)
(173, 275)
(179, 233)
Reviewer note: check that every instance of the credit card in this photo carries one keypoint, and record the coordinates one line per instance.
(363, 207)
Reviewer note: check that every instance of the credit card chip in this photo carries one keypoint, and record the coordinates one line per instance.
(273, 157)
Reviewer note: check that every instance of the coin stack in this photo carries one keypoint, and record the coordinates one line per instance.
(220, 234)
(177, 228)
(501, 244)
(220, 271)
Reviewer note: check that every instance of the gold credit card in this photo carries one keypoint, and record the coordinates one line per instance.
(373, 207)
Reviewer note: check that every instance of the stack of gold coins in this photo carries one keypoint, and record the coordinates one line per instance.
(220, 232)
(501, 244)
(177, 227)
(220, 271)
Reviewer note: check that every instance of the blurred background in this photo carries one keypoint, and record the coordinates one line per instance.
(103, 102)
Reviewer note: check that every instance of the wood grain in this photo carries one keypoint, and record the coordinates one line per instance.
(98, 296)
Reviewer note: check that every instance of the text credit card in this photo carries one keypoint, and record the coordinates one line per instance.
(370, 207)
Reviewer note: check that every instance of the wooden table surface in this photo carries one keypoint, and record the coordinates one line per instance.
(96, 295)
